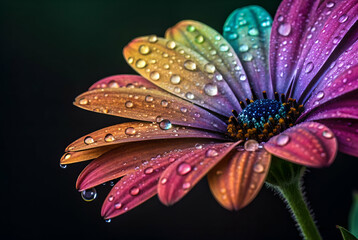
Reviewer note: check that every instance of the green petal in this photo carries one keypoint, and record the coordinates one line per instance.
(353, 216)
(346, 234)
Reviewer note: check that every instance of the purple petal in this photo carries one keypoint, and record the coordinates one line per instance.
(248, 31)
(346, 132)
(288, 30)
(118, 81)
(310, 144)
(182, 175)
(214, 48)
(126, 158)
(137, 187)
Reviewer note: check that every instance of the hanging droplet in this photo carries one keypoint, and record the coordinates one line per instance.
(175, 79)
(89, 194)
(134, 191)
(130, 131)
(199, 39)
(259, 168)
(209, 68)
(284, 29)
(141, 63)
(189, 95)
(108, 220)
(309, 67)
(165, 124)
(129, 104)
(109, 138)
(171, 44)
(211, 153)
(144, 49)
(63, 166)
(211, 89)
(190, 65)
(251, 145)
(88, 140)
(282, 139)
(152, 38)
(154, 76)
(183, 168)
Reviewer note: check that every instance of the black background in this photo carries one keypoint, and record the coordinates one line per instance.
(51, 51)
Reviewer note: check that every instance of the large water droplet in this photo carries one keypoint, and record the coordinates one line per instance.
(171, 44)
(152, 38)
(165, 124)
(83, 101)
(211, 89)
(320, 95)
(130, 131)
(149, 98)
(154, 76)
(89, 194)
(284, 29)
(175, 79)
(109, 138)
(343, 18)
(134, 191)
(247, 57)
(253, 32)
(183, 168)
(282, 139)
(189, 95)
(144, 49)
(309, 67)
(211, 153)
(251, 145)
(141, 63)
(243, 48)
(88, 140)
(327, 134)
(209, 68)
(190, 65)
(63, 166)
(199, 39)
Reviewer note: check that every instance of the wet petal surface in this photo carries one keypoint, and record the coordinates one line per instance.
(148, 105)
(123, 80)
(237, 179)
(310, 144)
(74, 157)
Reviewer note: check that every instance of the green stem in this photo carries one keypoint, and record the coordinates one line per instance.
(293, 195)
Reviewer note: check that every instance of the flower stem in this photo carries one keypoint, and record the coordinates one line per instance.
(292, 193)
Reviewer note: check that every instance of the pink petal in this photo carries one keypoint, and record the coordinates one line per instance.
(126, 158)
(182, 175)
(137, 187)
(118, 81)
(310, 144)
(346, 132)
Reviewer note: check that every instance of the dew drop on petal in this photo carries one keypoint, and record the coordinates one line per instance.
(134, 191)
(171, 44)
(309, 67)
(211, 89)
(242, 77)
(343, 18)
(211, 153)
(141, 63)
(129, 104)
(165, 124)
(152, 38)
(284, 29)
(282, 139)
(109, 138)
(164, 103)
(175, 79)
(144, 49)
(183, 109)
(89, 194)
(247, 57)
(110, 198)
(209, 68)
(243, 48)
(118, 206)
(88, 140)
(224, 48)
(253, 32)
(259, 168)
(190, 28)
(330, 4)
(320, 95)
(130, 60)
(154, 76)
(83, 101)
(327, 134)
(130, 131)
(183, 168)
(67, 156)
(251, 145)
(190, 65)
(163, 181)
(108, 220)
(63, 166)
(148, 170)
(186, 185)
(199, 39)
(189, 95)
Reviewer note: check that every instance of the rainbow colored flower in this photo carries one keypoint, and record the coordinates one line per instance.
(221, 106)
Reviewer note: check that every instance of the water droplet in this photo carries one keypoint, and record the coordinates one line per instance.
(183, 109)
(108, 220)
(140, 63)
(259, 168)
(251, 145)
(330, 4)
(320, 95)
(67, 156)
(88, 140)
(113, 84)
(163, 181)
(209, 68)
(164, 103)
(253, 32)
(130, 60)
(175, 79)
(171, 44)
(165, 124)
(199, 39)
(242, 77)
(152, 38)
(83, 101)
(144, 49)
(110, 198)
(282, 139)
(89, 194)
(242, 22)
(343, 18)
(189, 95)
(198, 146)
(130, 131)
(211, 89)
(211, 153)
(190, 65)
(63, 166)
(183, 168)
(309, 67)
(154, 76)
(247, 57)
(280, 18)
(327, 134)
(109, 138)
(149, 98)
(190, 28)
(148, 170)
(129, 104)
(224, 48)
(134, 191)
(118, 205)
(266, 23)
(243, 48)
(284, 29)
(186, 185)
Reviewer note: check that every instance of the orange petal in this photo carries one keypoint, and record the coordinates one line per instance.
(148, 105)
(236, 180)
(123, 80)
(135, 132)
(182, 72)
(74, 157)
(214, 48)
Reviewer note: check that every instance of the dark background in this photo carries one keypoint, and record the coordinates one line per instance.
(51, 51)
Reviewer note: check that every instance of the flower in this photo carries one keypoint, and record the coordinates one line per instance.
(222, 106)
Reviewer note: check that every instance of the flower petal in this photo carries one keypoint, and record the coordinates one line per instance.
(237, 179)
(182, 72)
(332, 21)
(135, 132)
(215, 49)
(248, 31)
(75, 157)
(148, 105)
(333, 95)
(123, 80)
(310, 144)
(183, 174)
(346, 132)
(138, 186)
(126, 157)
(288, 29)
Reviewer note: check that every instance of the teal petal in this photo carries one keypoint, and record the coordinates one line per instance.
(248, 31)
(353, 216)
(346, 235)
